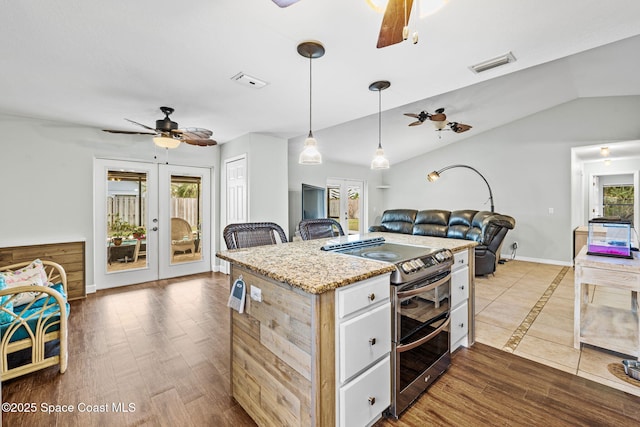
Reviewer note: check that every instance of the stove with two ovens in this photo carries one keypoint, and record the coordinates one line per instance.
(420, 288)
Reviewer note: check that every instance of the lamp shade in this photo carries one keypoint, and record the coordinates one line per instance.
(166, 142)
(431, 177)
(310, 154)
(380, 161)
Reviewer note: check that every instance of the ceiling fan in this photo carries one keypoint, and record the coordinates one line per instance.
(166, 128)
(394, 28)
(395, 23)
(439, 120)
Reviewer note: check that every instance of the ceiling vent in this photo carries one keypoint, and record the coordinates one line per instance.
(493, 63)
(247, 80)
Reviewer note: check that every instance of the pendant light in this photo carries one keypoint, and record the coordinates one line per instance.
(310, 154)
(379, 161)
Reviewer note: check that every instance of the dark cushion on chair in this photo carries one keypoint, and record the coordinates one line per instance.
(399, 220)
(432, 222)
(459, 223)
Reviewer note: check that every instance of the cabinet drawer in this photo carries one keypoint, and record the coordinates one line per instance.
(364, 399)
(460, 260)
(368, 293)
(363, 340)
(459, 286)
(459, 326)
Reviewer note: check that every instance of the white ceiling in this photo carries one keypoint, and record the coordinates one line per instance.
(94, 63)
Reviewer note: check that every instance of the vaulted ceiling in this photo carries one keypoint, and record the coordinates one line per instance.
(95, 63)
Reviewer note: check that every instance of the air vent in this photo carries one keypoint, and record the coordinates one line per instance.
(247, 80)
(493, 63)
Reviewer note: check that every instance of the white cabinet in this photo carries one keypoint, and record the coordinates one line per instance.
(459, 326)
(363, 337)
(363, 399)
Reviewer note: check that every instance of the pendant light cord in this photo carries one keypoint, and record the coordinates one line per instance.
(379, 118)
(310, 92)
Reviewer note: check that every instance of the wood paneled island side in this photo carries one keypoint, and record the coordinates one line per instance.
(284, 347)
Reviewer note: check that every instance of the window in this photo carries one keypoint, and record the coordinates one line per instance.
(617, 200)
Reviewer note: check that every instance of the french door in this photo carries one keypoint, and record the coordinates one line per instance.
(345, 204)
(150, 221)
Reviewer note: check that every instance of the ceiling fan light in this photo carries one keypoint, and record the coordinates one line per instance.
(310, 154)
(166, 142)
(440, 125)
(429, 7)
(380, 161)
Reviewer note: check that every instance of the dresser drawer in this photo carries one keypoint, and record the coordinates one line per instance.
(363, 340)
(459, 326)
(460, 260)
(459, 286)
(364, 399)
(366, 294)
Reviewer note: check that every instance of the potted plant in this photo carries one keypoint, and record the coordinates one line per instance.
(120, 229)
(139, 232)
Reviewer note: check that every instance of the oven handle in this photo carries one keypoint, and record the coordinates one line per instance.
(406, 347)
(412, 292)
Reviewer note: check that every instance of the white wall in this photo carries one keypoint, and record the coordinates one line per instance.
(266, 178)
(46, 173)
(528, 165)
(318, 174)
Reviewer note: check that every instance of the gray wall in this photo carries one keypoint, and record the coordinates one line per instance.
(46, 175)
(528, 165)
(318, 174)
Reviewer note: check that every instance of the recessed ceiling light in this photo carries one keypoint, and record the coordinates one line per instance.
(493, 63)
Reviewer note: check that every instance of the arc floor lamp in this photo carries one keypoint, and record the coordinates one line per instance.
(433, 176)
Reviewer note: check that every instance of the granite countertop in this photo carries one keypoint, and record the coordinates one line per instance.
(303, 265)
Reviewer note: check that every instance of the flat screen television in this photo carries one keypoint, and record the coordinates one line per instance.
(313, 202)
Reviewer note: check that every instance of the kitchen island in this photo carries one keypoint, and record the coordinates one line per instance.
(288, 349)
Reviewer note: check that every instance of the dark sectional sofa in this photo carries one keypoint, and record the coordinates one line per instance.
(486, 228)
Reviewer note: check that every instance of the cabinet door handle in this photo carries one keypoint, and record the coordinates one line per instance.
(462, 288)
(461, 325)
(372, 341)
(372, 296)
(372, 401)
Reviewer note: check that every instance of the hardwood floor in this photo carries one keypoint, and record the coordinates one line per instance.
(164, 348)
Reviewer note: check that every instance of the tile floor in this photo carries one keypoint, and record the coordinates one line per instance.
(527, 308)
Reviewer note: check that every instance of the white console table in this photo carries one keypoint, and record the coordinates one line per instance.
(607, 327)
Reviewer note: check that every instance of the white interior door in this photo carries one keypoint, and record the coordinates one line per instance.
(125, 201)
(345, 204)
(236, 190)
(185, 220)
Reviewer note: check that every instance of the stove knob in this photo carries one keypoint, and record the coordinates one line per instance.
(416, 264)
(406, 267)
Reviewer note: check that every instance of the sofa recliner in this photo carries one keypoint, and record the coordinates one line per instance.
(486, 228)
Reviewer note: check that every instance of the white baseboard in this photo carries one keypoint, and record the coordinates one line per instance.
(91, 289)
(538, 260)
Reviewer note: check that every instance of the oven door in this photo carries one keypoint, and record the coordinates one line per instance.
(421, 340)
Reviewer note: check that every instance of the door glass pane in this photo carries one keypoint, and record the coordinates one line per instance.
(353, 209)
(333, 202)
(126, 216)
(186, 218)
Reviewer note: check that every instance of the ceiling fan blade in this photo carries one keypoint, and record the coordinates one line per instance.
(200, 142)
(415, 116)
(140, 124)
(459, 127)
(394, 22)
(285, 3)
(195, 133)
(438, 117)
(128, 132)
(415, 123)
